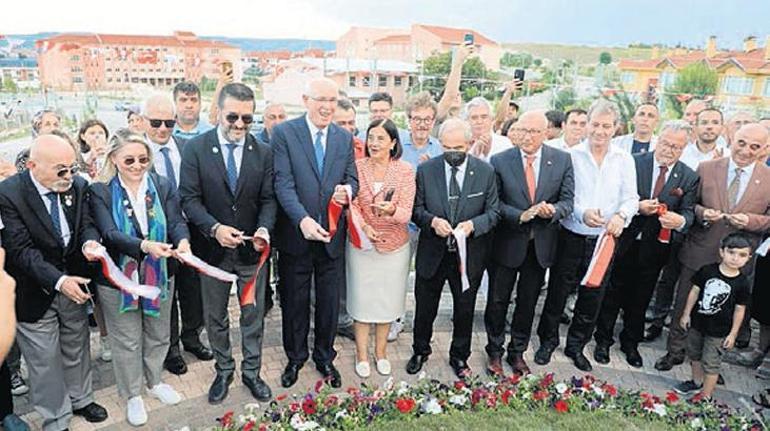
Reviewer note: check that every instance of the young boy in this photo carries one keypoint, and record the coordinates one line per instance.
(721, 293)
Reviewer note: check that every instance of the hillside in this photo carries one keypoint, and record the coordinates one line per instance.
(580, 54)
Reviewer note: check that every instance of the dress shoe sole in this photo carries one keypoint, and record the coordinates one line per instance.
(419, 368)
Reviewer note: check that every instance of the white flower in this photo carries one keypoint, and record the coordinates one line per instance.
(561, 388)
(387, 385)
(659, 409)
(403, 387)
(599, 391)
(431, 406)
(458, 400)
(422, 375)
(341, 414)
(298, 424)
(251, 407)
(696, 423)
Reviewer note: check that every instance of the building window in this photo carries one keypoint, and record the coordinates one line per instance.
(397, 81)
(412, 81)
(352, 81)
(75, 58)
(77, 80)
(737, 85)
(627, 78)
(766, 91)
(667, 79)
(382, 81)
(366, 81)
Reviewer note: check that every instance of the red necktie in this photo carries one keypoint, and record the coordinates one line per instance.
(660, 182)
(530, 174)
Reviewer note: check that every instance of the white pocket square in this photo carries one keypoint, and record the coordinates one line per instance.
(475, 195)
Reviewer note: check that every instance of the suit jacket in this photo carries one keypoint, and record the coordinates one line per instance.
(478, 203)
(301, 189)
(555, 185)
(207, 199)
(117, 242)
(36, 256)
(626, 142)
(679, 193)
(702, 244)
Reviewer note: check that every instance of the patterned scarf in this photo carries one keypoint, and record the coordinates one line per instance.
(155, 272)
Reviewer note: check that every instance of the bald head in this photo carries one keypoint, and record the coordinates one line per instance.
(532, 126)
(320, 99)
(49, 155)
(158, 107)
(749, 144)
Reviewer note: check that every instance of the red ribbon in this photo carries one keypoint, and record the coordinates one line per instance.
(248, 294)
(664, 235)
(356, 235)
(600, 262)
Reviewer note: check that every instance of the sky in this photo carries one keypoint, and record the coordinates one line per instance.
(591, 22)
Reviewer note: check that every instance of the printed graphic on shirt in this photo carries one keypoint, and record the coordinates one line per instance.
(715, 294)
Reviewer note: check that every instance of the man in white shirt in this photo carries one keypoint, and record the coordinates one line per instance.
(708, 126)
(484, 143)
(605, 199)
(642, 140)
(575, 121)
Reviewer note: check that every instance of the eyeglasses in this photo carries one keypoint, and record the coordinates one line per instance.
(420, 120)
(324, 99)
(72, 170)
(144, 160)
(530, 132)
(233, 117)
(156, 123)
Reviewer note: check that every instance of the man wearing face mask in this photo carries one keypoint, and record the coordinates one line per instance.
(454, 192)
(226, 188)
(46, 226)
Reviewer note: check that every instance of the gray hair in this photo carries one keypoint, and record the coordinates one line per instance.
(601, 106)
(421, 100)
(676, 126)
(154, 100)
(452, 124)
(475, 103)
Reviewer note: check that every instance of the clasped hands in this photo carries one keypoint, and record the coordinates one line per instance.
(593, 218)
(739, 220)
(542, 210)
(668, 220)
(444, 229)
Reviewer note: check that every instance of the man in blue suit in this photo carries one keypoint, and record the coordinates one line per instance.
(313, 161)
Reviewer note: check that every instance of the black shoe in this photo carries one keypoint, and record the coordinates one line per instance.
(667, 362)
(543, 355)
(415, 363)
(720, 380)
(290, 375)
(93, 413)
(330, 374)
(347, 332)
(219, 388)
(564, 319)
(200, 351)
(688, 387)
(633, 357)
(175, 365)
(581, 362)
(460, 367)
(259, 389)
(652, 334)
(741, 345)
(602, 353)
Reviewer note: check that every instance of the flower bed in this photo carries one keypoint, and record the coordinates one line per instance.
(359, 407)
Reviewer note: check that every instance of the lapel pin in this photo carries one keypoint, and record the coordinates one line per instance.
(676, 175)
(68, 200)
(215, 150)
(250, 148)
(548, 162)
(470, 173)
(130, 212)
(125, 202)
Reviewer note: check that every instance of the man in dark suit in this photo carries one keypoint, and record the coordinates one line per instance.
(227, 192)
(46, 226)
(536, 187)
(661, 179)
(313, 164)
(158, 113)
(454, 192)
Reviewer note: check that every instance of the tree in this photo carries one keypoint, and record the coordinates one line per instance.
(696, 80)
(521, 60)
(605, 58)
(436, 69)
(9, 85)
(564, 99)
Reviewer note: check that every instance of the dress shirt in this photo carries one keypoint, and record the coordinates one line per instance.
(314, 130)
(745, 178)
(226, 150)
(159, 160)
(412, 154)
(200, 128)
(560, 144)
(610, 188)
(692, 156)
(460, 174)
(138, 203)
(655, 173)
(65, 228)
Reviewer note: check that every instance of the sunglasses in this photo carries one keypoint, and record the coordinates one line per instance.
(156, 123)
(72, 170)
(128, 161)
(233, 117)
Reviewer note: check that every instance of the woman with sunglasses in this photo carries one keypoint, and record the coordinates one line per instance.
(385, 197)
(139, 217)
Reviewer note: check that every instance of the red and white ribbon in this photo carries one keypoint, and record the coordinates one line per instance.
(462, 254)
(112, 272)
(600, 261)
(204, 268)
(355, 221)
(248, 294)
(664, 235)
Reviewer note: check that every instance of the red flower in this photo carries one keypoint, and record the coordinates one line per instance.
(514, 379)
(226, 420)
(319, 385)
(249, 426)
(331, 401)
(561, 406)
(294, 407)
(507, 396)
(697, 398)
(281, 397)
(610, 390)
(309, 406)
(491, 400)
(547, 380)
(405, 405)
(352, 391)
(672, 397)
(459, 384)
(540, 395)
(263, 427)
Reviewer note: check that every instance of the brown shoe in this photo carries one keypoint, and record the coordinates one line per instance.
(516, 360)
(495, 367)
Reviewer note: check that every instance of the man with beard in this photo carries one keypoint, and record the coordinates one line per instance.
(708, 127)
(46, 227)
(642, 140)
(187, 100)
(226, 188)
(575, 121)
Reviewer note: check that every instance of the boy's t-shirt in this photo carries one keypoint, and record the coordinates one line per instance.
(719, 294)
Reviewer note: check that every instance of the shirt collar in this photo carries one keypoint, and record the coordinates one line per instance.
(41, 189)
(314, 129)
(460, 168)
(537, 154)
(748, 170)
(155, 147)
(223, 141)
(142, 186)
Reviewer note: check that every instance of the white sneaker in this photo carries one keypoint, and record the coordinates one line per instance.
(166, 394)
(136, 415)
(363, 370)
(106, 351)
(383, 366)
(396, 327)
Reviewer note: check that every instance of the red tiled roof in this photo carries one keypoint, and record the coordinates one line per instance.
(752, 60)
(396, 38)
(128, 40)
(456, 35)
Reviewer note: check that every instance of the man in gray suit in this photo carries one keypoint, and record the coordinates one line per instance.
(536, 187)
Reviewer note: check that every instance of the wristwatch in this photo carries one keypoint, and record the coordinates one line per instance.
(622, 215)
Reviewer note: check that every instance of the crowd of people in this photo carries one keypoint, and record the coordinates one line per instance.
(335, 215)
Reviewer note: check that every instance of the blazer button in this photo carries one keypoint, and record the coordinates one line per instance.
(234, 208)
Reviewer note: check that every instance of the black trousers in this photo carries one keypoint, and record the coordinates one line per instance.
(575, 253)
(665, 288)
(631, 286)
(427, 293)
(6, 399)
(296, 273)
(188, 299)
(501, 282)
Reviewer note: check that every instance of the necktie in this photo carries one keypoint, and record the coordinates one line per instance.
(319, 151)
(232, 170)
(55, 220)
(454, 195)
(732, 190)
(530, 174)
(170, 174)
(660, 181)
